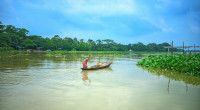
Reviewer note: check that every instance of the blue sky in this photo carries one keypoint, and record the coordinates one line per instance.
(124, 21)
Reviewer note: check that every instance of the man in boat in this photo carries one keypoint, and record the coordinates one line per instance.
(85, 60)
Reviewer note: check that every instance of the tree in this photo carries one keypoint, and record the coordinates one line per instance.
(92, 45)
(11, 29)
(22, 32)
(68, 39)
(152, 47)
(81, 40)
(68, 43)
(75, 44)
(37, 39)
(99, 45)
(5, 40)
(139, 47)
(99, 42)
(165, 44)
(129, 46)
(28, 43)
(75, 39)
(108, 41)
(160, 48)
(2, 27)
(15, 34)
(48, 44)
(58, 41)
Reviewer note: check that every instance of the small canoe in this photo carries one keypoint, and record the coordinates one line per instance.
(95, 67)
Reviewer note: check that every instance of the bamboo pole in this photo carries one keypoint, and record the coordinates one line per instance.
(168, 51)
(172, 49)
(183, 47)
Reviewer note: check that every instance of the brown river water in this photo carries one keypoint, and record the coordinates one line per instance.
(56, 82)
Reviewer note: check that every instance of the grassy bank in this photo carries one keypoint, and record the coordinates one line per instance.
(120, 52)
(187, 64)
(4, 49)
(88, 51)
(95, 52)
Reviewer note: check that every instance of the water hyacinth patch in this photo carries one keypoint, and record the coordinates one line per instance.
(187, 64)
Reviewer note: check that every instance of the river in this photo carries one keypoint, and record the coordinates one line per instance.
(37, 81)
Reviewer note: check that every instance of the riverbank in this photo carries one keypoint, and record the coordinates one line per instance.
(95, 52)
(187, 64)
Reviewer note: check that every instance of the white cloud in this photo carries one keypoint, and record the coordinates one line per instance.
(158, 22)
(152, 13)
(102, 7)
(162, 24)
(93, 7)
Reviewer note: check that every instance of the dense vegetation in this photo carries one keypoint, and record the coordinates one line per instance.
(188, 64)
(17, 38)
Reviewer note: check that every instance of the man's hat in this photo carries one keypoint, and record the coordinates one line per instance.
(84, 57)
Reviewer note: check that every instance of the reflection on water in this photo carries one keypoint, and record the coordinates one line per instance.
(168, 87)
(85, 78)
(173, 75)
(56, 82)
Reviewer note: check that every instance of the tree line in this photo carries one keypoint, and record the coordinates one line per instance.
(17, 38)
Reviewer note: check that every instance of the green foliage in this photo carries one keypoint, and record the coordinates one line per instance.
(28, 43)
(10, 36)
(36, 39)
(3, 49)
(188, 64)
(17, 38)
(48, 44)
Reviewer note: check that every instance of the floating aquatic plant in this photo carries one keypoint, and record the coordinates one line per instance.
(188, 64)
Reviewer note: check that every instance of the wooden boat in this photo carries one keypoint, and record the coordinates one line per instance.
(104, 65)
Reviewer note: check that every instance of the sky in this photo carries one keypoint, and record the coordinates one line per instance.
(124, 21)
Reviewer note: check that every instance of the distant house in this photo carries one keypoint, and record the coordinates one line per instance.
(38, 48)
(48, 50)
(29, 50)
(130, 50)
(20, 47)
